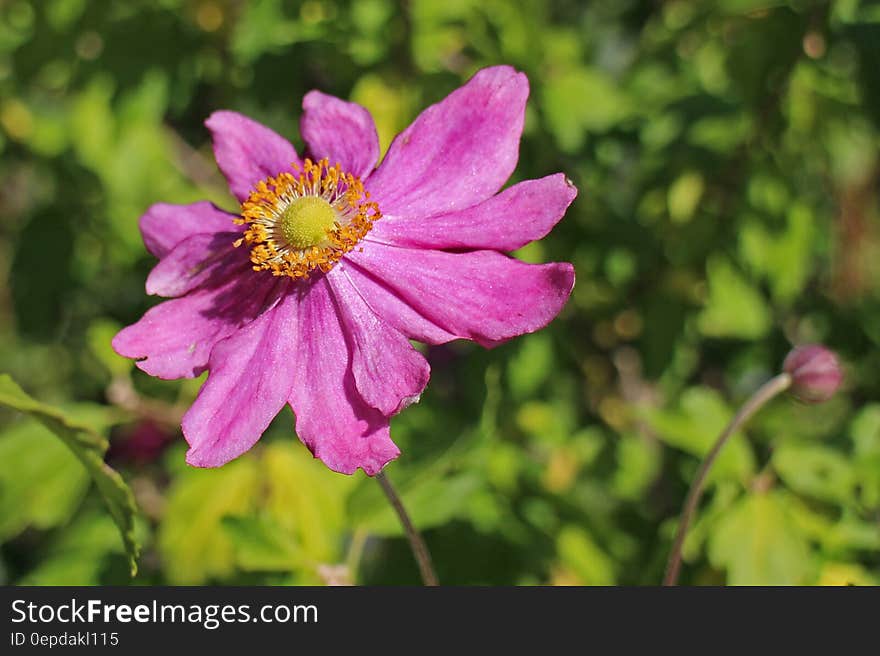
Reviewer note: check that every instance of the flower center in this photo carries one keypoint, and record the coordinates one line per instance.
(299, 223)
(306, 221)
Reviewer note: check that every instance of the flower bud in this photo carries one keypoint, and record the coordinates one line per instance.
(815, 373)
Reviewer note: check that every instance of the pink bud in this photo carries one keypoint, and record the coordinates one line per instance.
(815, 373)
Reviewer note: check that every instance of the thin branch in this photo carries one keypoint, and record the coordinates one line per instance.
(767, 391)
(122, 394)
(416, 543)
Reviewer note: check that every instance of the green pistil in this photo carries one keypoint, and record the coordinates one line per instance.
(306, 221)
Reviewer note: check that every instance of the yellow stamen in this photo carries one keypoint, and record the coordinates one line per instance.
(299, 223)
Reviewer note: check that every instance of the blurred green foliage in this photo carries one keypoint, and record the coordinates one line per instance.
(728, 158)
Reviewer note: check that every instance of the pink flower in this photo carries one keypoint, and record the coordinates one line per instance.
(815, 373)
(311, 294)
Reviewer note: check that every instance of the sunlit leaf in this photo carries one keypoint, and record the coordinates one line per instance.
(734, 307)
(89, 447)
(305, 500)
(684, 196)
(757, 543)
(191, 541)
(581, 101)
(816, 471)
(638, 463)
(580, 553)
(260, 544)
(845, 574)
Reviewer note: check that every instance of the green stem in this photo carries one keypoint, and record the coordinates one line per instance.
(765, 393)
(416, 543)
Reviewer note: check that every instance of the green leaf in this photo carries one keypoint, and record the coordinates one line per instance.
(784, 260)
(725, 495)
(734, 308)
(192, 544)
(816, 471)
(579, 553)
(721, 134)
(87, 552)
(684, 196)
(29, 452)
(305, 500)
(430, 502)
(276, 510)
(835, 573)
(548, 422)
(853, 534)
(570, 116)
(694, 425)
(757, 542)
(638, 463)
(531, 366)
(263, 27)
(72, 432)
(260, 544)
(89, 447)
(865, 432)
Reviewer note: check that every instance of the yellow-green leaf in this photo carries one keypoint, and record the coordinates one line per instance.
(89, 447)
(192, 544)
(757, 542)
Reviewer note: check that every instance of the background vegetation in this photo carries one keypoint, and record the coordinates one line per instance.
(727, 159)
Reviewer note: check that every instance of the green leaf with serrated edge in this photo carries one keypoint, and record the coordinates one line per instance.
(89, 447)
(260, 544)
(758, 543)
(191, 541)
(304, 500)
(12, 396)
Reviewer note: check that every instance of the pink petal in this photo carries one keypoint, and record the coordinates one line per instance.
(247, 151)
(341, 131)
(458, 152)
(515, 217)
(332, 419)
(175, 338)
(195, 261)
(387, 304)
(482, 295)
(251, 373)
(388, 372)
(163, 225)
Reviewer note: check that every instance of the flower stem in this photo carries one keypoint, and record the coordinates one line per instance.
(767, 391)
(416, 543)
